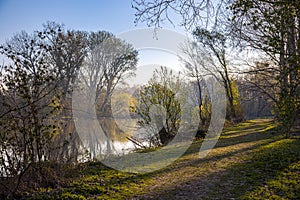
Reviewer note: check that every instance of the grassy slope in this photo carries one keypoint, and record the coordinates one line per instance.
(248, 162)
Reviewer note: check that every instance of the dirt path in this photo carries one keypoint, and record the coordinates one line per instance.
(208, 178)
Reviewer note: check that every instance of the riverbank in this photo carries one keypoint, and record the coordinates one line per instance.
(250, 161)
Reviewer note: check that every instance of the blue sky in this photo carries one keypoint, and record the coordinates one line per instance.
(110, 15)
(115, 16)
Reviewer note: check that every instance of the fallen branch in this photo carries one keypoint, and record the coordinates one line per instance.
(135, 141)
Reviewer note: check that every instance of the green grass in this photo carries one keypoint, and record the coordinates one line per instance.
(280, 164)
(286, 185)
(250, 161)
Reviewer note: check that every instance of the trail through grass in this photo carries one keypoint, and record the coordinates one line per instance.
(250, 161)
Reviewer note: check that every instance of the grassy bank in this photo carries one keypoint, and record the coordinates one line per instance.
(250, 161)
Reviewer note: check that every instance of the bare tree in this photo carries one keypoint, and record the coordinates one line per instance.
(108, 62)
(209, 57)
(195, 66)
(67, 50)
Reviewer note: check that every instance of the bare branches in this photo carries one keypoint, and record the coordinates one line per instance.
(192, 12)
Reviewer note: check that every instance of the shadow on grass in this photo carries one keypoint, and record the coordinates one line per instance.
(98, 172)
(249, 136)
(95, 179)
(265, 163)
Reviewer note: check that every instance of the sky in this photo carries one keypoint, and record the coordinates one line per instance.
(110, 15)
(115, 16)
